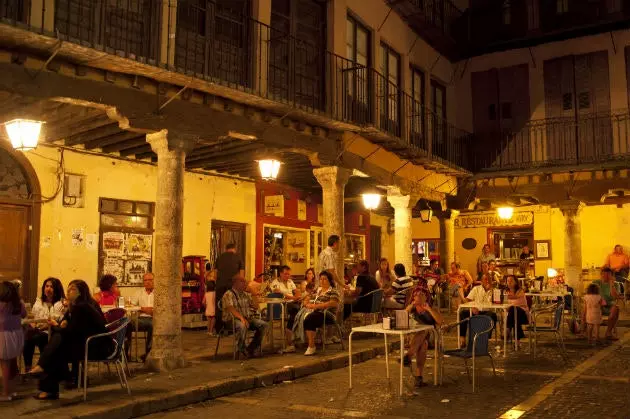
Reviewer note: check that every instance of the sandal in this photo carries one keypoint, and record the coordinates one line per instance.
(46, 396)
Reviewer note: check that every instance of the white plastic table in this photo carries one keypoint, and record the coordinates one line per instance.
(490, 306)
(551, 294)
(378, 328)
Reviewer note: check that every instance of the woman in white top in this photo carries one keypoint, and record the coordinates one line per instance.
(50, 305)
(384, 275)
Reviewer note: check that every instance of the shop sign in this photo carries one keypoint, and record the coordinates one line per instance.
(301, 210)
(274, 205)
(492, 220)
(320, 213)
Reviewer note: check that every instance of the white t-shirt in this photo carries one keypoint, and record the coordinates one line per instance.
(145, 300)
(285, 288)
(479, 295)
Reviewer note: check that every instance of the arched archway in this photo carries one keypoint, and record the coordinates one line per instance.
(20, 209)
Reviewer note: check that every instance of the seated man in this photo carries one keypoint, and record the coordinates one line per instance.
(609, 293)
(284, 285)
(145, 319)
(481, 294)
(398, 295)
(366, 283)
(238, 307)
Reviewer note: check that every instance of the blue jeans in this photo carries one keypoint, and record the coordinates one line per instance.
(256, 325)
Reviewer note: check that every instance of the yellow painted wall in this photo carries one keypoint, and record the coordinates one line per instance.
(603, 227)
(205, 198)
(468, 258)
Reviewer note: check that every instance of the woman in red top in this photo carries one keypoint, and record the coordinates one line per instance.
(109, 291)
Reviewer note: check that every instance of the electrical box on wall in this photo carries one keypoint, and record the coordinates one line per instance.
(73, 191)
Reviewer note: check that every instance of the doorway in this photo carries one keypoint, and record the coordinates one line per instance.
(224, 233)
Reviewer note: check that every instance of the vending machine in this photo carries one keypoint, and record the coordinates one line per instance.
(193, 289)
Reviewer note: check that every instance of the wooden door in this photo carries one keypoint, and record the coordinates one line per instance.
(14, 241)
(224, 233)
(375, 248)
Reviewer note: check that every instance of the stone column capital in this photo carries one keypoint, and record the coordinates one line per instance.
(399, 200)
(328, 176)
(571, 208)
(164, 141)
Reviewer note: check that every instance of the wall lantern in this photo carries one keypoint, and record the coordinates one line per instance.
(371, 201)
(505, 213)
(23, 133)
(426, 214)
(269, 169)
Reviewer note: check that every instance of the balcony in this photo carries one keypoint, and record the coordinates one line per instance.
(228, 49)
(592, 139)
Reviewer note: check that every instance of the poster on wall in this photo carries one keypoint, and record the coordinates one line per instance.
(113, 244)
(134, 272)
(274, 205)
(301, 210)
(78, 237)
(114, 267)
(139, 245)
(91, 241)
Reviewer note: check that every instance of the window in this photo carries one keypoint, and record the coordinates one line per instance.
(125, 239)
(438, 99)
(506, 12)
(506, 110)
(567, 101)
(388, 91)
(584, 100)
(417, 108)
(562, 6)
(356, 72)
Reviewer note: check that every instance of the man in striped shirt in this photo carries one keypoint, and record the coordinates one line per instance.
(400, 288)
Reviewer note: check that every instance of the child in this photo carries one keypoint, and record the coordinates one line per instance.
(12, 311)
(209, 300)
(593, 309)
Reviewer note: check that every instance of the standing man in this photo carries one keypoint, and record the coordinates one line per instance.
(228, 265)
(328, 260)
(618, 262)
(145, 319)
(485, 256)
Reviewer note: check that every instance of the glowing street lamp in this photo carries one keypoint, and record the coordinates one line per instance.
(371, 201)
(269, 169)
(23, 133)
(505, 213)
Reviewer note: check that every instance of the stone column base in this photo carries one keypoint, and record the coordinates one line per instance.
(167, 363)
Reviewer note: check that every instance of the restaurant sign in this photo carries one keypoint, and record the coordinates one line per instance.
(274, 205)
(524, 218)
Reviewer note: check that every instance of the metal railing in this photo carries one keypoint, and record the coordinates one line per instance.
(589, 139)
(129, 28)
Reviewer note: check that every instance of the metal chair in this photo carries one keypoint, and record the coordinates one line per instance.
(327, 315)
(556, 326)
(221, 333)
(114, 314)
(376, 302)
(118, 357)
(479, 329)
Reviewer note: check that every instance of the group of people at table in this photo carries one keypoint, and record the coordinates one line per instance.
(59, 324)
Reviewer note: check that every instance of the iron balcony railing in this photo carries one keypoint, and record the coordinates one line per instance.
(587, 139)
(219, 45)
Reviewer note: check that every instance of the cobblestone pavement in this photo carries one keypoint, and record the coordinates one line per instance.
(597, 390)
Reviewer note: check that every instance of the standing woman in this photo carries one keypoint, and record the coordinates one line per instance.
(516, 297)
(384, 275)
(12, 311)
(48, 306)
(83, 319)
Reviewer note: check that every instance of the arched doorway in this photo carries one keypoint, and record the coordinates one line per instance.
(20, 208)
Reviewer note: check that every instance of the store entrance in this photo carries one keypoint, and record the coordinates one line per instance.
(224, 233)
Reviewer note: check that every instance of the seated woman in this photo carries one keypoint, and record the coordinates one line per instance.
(423, 313)
(516, 297)
(459, 282)
(308, 285)
(83, 319)
(327, 297)
(50, 305)
(108, 284)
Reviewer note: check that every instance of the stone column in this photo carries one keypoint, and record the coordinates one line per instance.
(333, 181)
(447, 238)
(166, 353)
(572, 243)
(402, 205)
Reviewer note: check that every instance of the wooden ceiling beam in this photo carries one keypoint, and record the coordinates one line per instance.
(241, 148)
(147, 155)
(109, 140)
(122, 146)
(85, 136)
(145, 148)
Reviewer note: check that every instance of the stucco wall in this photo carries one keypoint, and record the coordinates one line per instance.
(387, 240)
(206, 198)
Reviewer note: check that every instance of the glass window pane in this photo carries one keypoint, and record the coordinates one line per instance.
(108, 205)
(128, 221)
(349, 39)
(362, 43)
(124, 206)
(393, 69)
(383, 68)
(143, 208)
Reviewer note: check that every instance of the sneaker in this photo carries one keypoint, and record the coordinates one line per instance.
(310, 351)
(289, 349)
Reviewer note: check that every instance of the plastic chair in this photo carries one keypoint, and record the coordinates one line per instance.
(479, 329)
(556, 326)
(376, 302)
(113, 315)
(118, 357)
